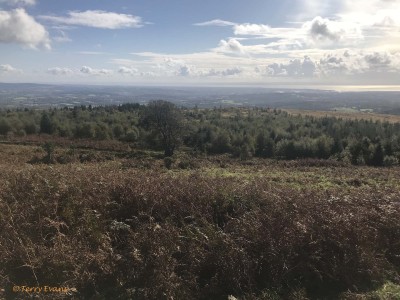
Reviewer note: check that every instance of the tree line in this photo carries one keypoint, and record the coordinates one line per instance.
(241, 132)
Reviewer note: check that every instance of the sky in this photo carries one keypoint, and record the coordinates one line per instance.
(187, 42)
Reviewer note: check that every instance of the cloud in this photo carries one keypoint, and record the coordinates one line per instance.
(96, 72)
(59, 71)
(386, 21)
(216, 22)
(128, 71)
(5, 69)
(294, 68)
(316, 33)
(184, 71)
(18, 2)
(359, 62)
(230, 46)
(251, 29)
(323, 29)
(62, 37)
(227, 72)
(97, 19)
(16, 26)
(331, 65)
(382, 62)
(380, 16)
(173, 62)
(177, 67)
(378, 59)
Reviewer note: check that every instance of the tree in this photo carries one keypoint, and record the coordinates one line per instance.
(221, 143)
(165, 119)
(84, 131)
(265, 146)
(324, 146)
(378, 156)
(5, 126)
(46, 124)
(49, 147)
(355, 150)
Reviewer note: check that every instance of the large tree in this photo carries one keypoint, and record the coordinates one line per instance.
(165, 119)
(46, 124)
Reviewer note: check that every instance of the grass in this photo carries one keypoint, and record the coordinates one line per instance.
(261, 229)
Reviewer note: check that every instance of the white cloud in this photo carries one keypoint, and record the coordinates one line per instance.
(196, 65)
(4, 69)
(16, 26)
(323, 30)
(385, 21)
(252, 29)
(97, 19)
(230, 46)
(216, 22)
(185, 70)
(317, 33)
(189, 70)
(331, 65)
(319, 66)
(59, 71)
(128, 71)
(18, 2)
(62, 37)
(378, 19)
(173, 62)
(294, 68)
(176, 67)
(348, 65)
(223, 73)
(378, 59)
(89, 71)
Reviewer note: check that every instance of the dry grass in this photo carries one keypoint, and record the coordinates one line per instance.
(255, 230)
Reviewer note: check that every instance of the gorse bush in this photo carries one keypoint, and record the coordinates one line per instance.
(153, 234)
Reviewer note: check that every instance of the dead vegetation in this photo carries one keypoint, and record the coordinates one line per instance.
(118, 229)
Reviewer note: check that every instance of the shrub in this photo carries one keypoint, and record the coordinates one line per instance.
(168, 162)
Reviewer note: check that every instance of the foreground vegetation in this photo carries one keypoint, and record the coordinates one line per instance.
(133, 225)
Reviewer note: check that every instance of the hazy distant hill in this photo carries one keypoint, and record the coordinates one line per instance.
(44, 95)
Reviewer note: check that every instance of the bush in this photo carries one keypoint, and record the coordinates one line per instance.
(168, 162)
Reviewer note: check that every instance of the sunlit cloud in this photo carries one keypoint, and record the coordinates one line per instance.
(17, 26)
(97, 19)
